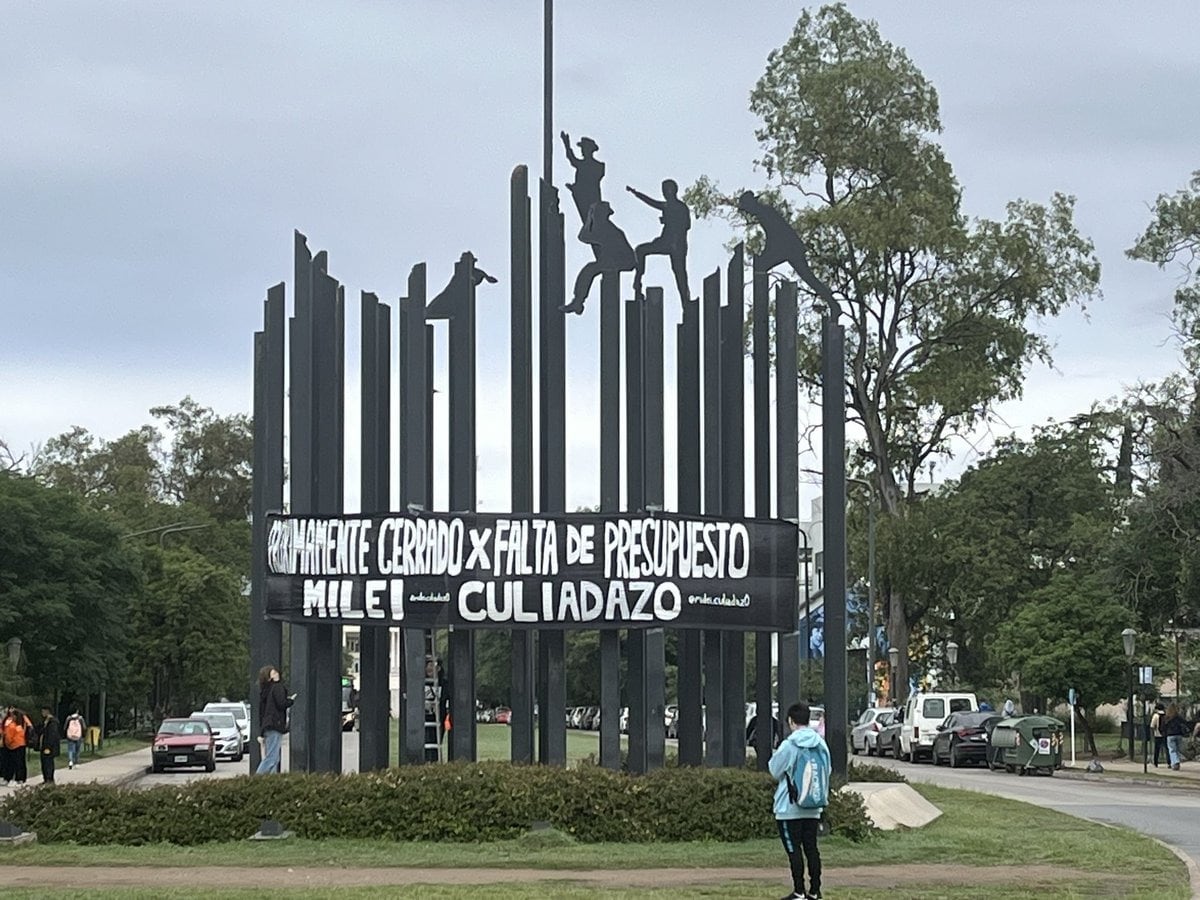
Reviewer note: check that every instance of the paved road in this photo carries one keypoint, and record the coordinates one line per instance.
(230, 769)
(1171, 814)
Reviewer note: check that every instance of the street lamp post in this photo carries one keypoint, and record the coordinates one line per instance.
(870, 587)
(894, 661)
(1128, 637)
(952, 658)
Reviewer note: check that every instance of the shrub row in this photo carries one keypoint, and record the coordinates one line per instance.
(458, 802)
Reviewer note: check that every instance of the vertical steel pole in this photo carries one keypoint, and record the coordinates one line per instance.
(610, 501)
(552, 732)
(689, 724)
(713, 714)
(733, 423)
(871, 596)
(787, 437)
(761, 329)
(635, 499)
(654, 495)
(521, 366)
(833, 417)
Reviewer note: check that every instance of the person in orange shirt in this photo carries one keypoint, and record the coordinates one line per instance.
(14, 731)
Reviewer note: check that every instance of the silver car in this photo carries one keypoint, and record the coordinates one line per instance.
(864, 735)
(227, 737)
(241, 713)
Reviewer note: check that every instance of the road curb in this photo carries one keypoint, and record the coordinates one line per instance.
(1111, 777)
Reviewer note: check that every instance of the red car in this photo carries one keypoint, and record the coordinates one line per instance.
(503, 716)
(183, 742)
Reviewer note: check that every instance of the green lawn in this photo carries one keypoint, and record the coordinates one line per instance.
(113, 746)
(974, 830)
(494, 742)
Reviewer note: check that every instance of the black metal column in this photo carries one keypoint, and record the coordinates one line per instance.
(713, 655)
(733, 499)
(414, 491)
(787, 491)
(266, 635)
(689, 725)
(635, 499)
(552, 693)
(521, 366)
(610, 501)
(326, 639)
(761, 327)
(833, 491)
(654, 666)
(302, 497)
(374, 697)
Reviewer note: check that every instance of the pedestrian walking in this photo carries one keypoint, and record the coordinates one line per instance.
(273, 704)
(76, 728)
(16, 734)
(802, 767)
(1174, 728)
(49, 743)
(1156, 731)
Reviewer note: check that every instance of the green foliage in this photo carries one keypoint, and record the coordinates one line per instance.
(938, 309)
(864, 771)
(1173, 236)
(66, 584)
(458, 802)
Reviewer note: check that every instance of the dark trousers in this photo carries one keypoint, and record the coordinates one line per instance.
(12, 765)
(47, 767)
(799, 838)
(1160, 748)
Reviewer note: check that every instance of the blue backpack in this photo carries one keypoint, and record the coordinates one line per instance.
(808, 785)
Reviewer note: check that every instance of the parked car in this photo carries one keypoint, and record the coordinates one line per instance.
(227, 737)
(577, 716)
(922, 715)
(867, 728)
(503, 715)
(624, 724)
(241, 712)
(887, 742)
(963, 738)
(590, 720)
(183, 742)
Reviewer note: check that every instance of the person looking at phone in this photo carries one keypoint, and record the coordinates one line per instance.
(273, 704)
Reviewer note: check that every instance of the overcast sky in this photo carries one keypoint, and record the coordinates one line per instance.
(157, 157)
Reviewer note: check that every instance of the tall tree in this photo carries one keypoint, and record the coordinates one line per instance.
(937, 306)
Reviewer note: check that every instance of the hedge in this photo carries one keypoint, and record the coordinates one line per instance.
(456, 802)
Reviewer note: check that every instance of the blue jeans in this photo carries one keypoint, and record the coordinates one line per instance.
(1175, 749)
(270, 759)
(73, 751)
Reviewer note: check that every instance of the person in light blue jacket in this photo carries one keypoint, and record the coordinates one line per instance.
(802, 767)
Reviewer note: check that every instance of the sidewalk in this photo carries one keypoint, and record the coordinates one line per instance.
(1187, 775)
(115, 770)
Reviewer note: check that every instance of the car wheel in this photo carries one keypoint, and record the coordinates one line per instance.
(853, 748)
(954, 761)
(933, 756)
(211, 765)
(156, 769)
(870, 749)
(238, 758)
(897, 749)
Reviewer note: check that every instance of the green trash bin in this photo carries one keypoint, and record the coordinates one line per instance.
(1025, 744)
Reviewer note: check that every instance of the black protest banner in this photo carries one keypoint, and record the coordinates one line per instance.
(581, 570)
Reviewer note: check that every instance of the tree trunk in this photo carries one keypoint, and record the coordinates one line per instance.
(1088, 737)
(897, 633)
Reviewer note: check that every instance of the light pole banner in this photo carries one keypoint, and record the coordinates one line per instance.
(578, 570)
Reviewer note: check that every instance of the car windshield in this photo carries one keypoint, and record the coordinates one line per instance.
(219, 720)
(960, 704)
(234, 709)
(971, 720)
(885, 718)
(183, 726)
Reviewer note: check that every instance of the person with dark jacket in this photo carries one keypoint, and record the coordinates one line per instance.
(1175, 729)
(49, 743)
(273, 704)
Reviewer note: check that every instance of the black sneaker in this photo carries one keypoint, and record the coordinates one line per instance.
(794, 896)
(815, 895)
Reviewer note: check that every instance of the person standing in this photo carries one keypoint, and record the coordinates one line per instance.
(76, 728)
(273, 704)
(1156, 731)
(16, 731)
(802, 767)
(1174, 729)
(676, 221)
(49, 743)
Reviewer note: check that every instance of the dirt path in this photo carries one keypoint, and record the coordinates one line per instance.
(297, 877)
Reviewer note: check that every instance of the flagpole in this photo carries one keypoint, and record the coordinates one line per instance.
(548, 92)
